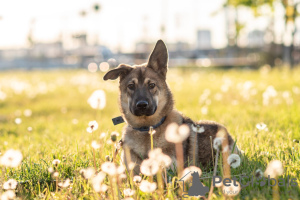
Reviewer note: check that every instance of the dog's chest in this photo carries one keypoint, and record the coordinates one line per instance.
(140, 143)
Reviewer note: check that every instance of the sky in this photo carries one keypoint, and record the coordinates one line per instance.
(119, 24)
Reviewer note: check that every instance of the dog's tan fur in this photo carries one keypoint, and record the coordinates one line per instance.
(139, 142)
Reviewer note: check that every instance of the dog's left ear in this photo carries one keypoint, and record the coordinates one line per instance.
(121, 71)
(158, 59)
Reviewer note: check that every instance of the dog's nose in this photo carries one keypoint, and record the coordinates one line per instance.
(142, 104)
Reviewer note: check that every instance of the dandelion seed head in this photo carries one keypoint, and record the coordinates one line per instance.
(65, 184)
(258, 173)
(113, 136)
(109, 168)
(162, 159)
(149, 167)
(29, 129)
(102, 135)
(56, 162)
(55, 174)
(97, 100)
(121, 169)
(95, 145)
(131, 166)
(128, 192)
(11, 158)
(234, 160)
(88, 173)
(137, 179)
(11, 184)
(93, 125)
(261, 126)
(274, 169)
(98, 180)
(217, 143)
(147, 187)
(50, 170)
(177, 134)
(8, 195)
(190, 169)
(27, 113)
(74, 121)
(18, 120)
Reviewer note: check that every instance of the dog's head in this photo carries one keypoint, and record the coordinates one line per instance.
(144, 95)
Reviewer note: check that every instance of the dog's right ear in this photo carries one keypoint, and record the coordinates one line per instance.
(122, 70)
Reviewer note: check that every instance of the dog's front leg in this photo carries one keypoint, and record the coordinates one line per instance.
(131, 160)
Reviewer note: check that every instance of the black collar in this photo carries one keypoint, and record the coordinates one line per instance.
(147, 128)
(119, 120)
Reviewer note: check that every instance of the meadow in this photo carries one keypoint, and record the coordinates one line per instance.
(45, 115)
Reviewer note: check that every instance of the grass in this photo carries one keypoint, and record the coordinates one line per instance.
(58, 99)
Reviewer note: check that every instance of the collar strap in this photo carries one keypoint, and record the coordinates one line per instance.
(147, 128)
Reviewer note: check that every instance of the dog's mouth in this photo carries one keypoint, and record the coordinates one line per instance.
(143, 112)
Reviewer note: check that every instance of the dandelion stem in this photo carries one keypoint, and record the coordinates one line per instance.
(194, 152)
(179, 156)
(94, 159)
(56, 184)
(215, 173)
(151, 136)
(160, 182)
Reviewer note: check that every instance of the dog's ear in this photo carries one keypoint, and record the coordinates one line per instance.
(122, 70)
(158, 59)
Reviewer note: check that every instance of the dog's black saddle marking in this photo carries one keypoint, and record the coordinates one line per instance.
(118, 120)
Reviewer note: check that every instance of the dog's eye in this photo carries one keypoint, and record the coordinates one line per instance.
(131, 86)
(151, 85)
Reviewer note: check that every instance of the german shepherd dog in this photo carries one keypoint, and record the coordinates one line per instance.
(145, 100)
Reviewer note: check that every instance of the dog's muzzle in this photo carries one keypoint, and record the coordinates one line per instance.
(143, 107)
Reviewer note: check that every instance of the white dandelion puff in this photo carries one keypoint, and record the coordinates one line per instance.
(137, 179)
(121, 169)
(234, 160)
(102, 135)
(29, 129)
(65, 184)
(274, 169)
(188, 170)
(56, 162)
(98, 180)
(109, 168)
(11, 184)
(258, 173)
(149, 167)
(131, 165)
(11, 158)
(18, 120)
(55, 174)
(87, 173)
(95, 145)
(163, 159)
(8, 195)
(217, 143)
(93, 125)
(97, 100)
(261, 126)
(197, 128)
(177, 134)
(128, 192)
(50, 170)
(148, 187)
(27, 113)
